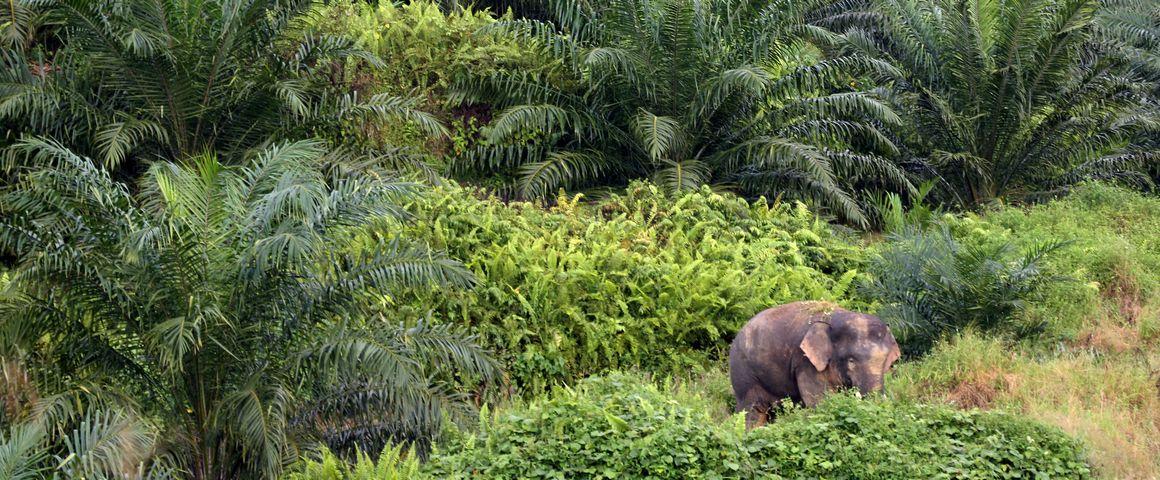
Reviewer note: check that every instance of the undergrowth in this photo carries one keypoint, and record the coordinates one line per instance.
(1097, 374)
(1109, 400)
(1113, 254)
(623, 427)
(643, 282)
(639, 280)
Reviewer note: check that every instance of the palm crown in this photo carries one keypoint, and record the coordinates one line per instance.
(727, 92)
(1009, 96)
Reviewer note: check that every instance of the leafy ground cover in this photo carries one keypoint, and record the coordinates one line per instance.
(622, 426)
(1091, 372)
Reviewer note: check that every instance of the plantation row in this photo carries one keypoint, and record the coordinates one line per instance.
(272, 239)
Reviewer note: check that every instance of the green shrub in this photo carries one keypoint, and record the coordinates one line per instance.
(623, 427)
(424, 51)
(849, 438)
(423, 48)
(891, 216)
(392, 464)
(640, 280)
(932, 283)
(610, 428)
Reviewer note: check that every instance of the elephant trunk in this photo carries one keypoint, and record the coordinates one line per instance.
(869, 384)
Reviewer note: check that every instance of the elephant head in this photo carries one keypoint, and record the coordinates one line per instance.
(851, 350)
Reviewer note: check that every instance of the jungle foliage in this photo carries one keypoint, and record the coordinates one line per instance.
(643, 279)
(136, 81)
(932, 285)
(722, 92)
(629, 430)
(423, 51)
(830, 102)
(212, 266)
(1015, 97)
(220, 301)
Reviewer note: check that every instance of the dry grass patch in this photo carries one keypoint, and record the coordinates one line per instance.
(1106, 394)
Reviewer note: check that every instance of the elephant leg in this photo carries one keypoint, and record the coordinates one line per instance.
(756, 403)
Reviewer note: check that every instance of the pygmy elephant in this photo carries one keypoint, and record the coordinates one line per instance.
(803, 349)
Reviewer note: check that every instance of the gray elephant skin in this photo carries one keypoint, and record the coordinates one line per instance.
(802, 350)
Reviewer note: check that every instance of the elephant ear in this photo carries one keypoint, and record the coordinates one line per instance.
(817, 345)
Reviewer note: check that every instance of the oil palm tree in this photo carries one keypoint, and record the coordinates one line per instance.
(1132, 28)
(224, 299)
(723, 92)
(170, 79)
(1009, 97)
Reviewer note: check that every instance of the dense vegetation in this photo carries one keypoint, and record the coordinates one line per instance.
(221, 300)
(637, 280)
(615, 428)
(267, 238)
(175, 79)
(1009, 96)
(690, 93)
(933, 284)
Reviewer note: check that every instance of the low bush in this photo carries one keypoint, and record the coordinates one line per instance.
(849, 438)
(639, 280)
(932, 284)
(394, 463)
(616, 427)
(622, 427)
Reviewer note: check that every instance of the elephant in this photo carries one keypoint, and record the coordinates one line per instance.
(801, 350)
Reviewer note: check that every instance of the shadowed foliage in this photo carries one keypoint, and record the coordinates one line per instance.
(121, 80)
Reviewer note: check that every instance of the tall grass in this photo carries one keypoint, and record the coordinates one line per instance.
(1113, 254)
(1097, 374)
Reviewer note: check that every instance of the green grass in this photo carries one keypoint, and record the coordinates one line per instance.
(1113, 260)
